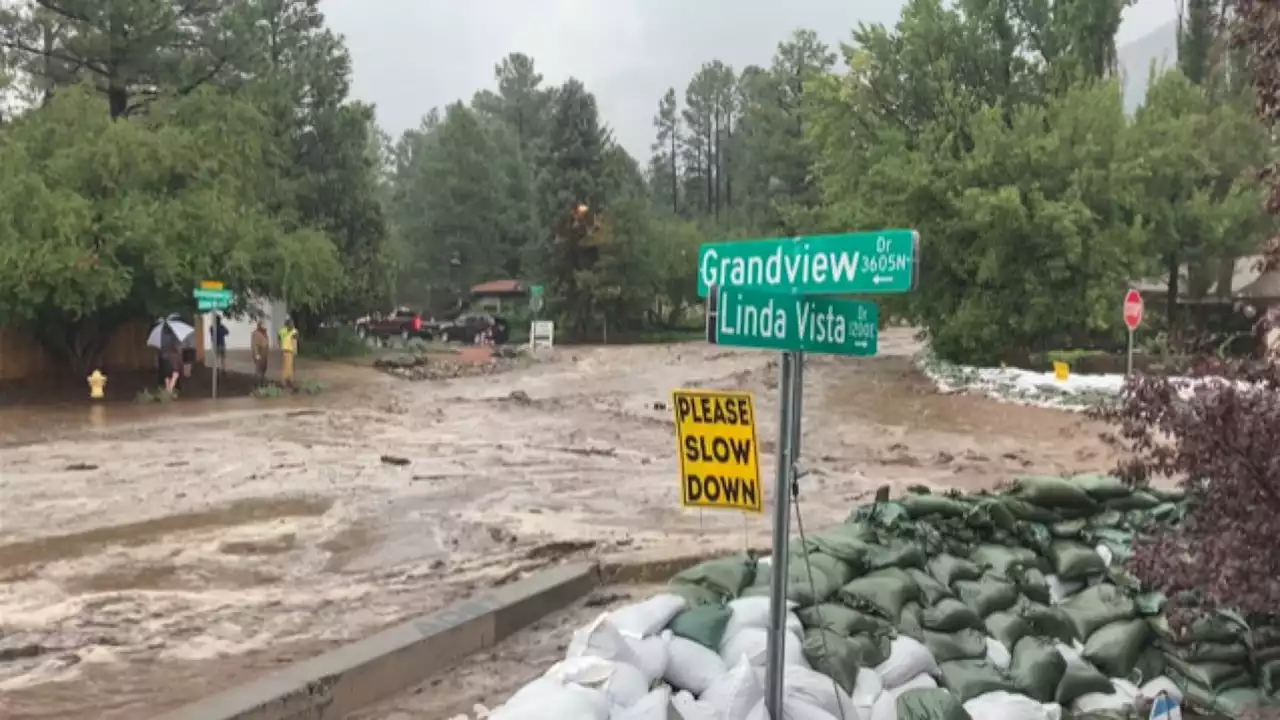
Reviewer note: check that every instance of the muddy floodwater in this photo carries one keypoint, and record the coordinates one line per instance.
(150, 555)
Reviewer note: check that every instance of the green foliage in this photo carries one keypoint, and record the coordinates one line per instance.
(334, 344)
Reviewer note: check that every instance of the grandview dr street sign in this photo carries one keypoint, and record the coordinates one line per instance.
(777, 321)
(851, 263)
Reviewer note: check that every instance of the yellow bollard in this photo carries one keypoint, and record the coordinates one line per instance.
(97, 383)
(1061, 371)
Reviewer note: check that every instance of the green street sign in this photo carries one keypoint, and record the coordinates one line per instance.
(851, 263)
(212, 295)
(535, 291)
(776, 321)
(207, 305)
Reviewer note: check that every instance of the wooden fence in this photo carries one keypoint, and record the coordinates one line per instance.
(22, 357)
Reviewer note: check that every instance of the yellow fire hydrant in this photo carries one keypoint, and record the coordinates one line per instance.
(97, 383)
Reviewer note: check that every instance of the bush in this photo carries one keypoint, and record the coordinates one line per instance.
(334, 344)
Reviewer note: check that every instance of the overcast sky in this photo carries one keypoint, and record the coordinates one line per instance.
(413, 55)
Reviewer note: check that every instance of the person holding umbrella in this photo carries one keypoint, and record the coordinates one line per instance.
(167, 337)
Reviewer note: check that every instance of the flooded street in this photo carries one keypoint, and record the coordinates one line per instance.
(151, 555)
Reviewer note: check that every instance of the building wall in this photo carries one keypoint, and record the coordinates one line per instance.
(240, 328)
(22, 357)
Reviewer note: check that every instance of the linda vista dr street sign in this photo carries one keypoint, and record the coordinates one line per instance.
(777, 321)
(886, 261)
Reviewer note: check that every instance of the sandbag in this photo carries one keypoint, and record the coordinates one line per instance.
(752, 644)
(1102, 487)
(834, 655)
(754, 613)
(816, 689)
(1091, 704)
(1269, 677)
(1235, 702)
(909, 622)
(1059, 591)
(931, 591)
(622, 684)
(1007, 627)
(988, 595)
(992, 512)
(1048, 621)
(1115, 648)
(1234, 653)
(1005, 706)
(691, 666)
(895, 555)
(1028, 512)
(962, 645)
(656, 705)
(696, 595)
(726, 576)
(1037, 668)
(998, 654)
(601, 639)
(646, 618)
(841, 619)
(930, 705)
(651, 654)
(688, 707)
(1218, 627)
(1099, 605)
(967, 679)
(704, 625)
(849, 541)
(1214, 677)
(1162, 684)
(1003, 561)
(1139, 500)
(947, 569)
(866, 650)
(1150, 665)
(949, 616)
(1052, 492)
(1075, 561)
(1033, 584)
(883, 592)
(1080, 678)
(866, 691)
(839, 571)
(809, 586)
(919, 505)
(907, 659)
(546, 699)
(736, 692)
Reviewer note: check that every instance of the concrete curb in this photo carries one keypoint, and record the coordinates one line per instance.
(332, 685)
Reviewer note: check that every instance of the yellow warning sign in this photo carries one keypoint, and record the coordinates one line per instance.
(719, 460)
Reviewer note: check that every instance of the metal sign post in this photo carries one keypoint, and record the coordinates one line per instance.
(1132, 312)
(787, 431)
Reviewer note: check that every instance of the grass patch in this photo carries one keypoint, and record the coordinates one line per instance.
(266, 392)
(153, 395)
(1070, 357)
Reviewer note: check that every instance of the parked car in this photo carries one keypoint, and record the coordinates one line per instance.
(471, 328)
(402, 323)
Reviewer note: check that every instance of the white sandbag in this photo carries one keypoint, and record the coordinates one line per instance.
(688, 707)
(735, 693)
(1005, 706)
(797, 709)
(1060, 590)
(759, 712)
(649, 617)
(651, 654)
(753, 612)
(1127, 689)
(923, 681)
(998, 654)
(1100, 703)
(753, 644)
(621, 683)
(601, 639)
(886, 707)
(1105, 553)
(1072, 655)
(691, 666)
(1053, 711)
(656, 705)
(867, 689)
(813, 688)
(546, 699)
(907, 659)
(1155, 686)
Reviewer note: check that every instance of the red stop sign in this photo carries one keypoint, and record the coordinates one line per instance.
(1133, 309)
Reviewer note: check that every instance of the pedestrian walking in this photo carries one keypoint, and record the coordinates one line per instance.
(218, 334)
(288, 349)
(260, 344)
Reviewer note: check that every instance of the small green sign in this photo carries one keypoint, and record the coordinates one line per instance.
(207, 305)
(776, 321)
(846, 264)
(535, 291)
(212, 295)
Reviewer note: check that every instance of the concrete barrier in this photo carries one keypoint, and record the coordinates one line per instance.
(342, 681)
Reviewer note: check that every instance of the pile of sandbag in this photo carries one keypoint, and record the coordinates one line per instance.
(1012, 606)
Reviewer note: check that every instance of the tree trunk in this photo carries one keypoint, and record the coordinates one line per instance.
(1171, 299)
(675, 177)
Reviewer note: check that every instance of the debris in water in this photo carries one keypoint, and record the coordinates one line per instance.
(659, 405)
(81, 466)
(559, 549)
(394, 460)
(520, 396)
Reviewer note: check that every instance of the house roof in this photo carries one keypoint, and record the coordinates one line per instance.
(498, 287)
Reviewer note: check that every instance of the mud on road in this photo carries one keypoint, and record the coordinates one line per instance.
(149, 560)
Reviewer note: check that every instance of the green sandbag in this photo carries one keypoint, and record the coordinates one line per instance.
(696, 595)
(1069, 529)
(947, 569)
(882, 592)
(1081, 679)
(1236, 702)
(1215, 677)
(963, 645)
(1036, 536)
(1102, 487)
(909, 622)
(918, 506)
(1027, 512)
(1166, 512)
(849, 541)
(988, 595)
(838, 570)
(1168, 495)
(871, 649)
(1008, 627)
(1105, 520)
(929, 704)
(727, 576)
(836, 658)
(992, 512)
(1037, 668)
(1231, 653)
(1096, 606)
(967, 679)
(1150, 665)
(841, 619)
(1269, 677)
(805, 588)
(1048, 621)
(1116, 647)
(1003, 561)
(1075, 561)
(1052, 492)
(704, 625)
(931, 590)
(1137, 501)
(1219, 627)
(897, 555)
(950, 616)
(1033, 584)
